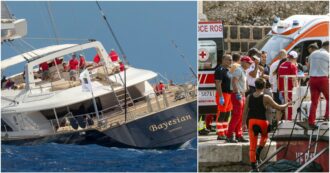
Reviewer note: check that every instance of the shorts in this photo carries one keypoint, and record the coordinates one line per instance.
(45, 74)
(73, 73)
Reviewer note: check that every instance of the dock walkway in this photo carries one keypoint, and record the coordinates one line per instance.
(219, 156)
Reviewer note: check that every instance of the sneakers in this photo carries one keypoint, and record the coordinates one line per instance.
(254, 167)
(222, 138)
(241, 139)
(258, 152)
(231, 140)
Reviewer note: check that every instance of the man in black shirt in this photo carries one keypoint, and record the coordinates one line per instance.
(223, 96)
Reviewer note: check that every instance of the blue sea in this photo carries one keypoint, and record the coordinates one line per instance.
(53, 157)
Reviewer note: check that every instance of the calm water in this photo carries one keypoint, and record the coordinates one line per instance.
(93, 158)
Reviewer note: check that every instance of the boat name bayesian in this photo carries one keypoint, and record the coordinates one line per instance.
(166, 124)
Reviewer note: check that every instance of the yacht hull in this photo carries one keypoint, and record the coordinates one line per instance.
(169, 127)
(166, 129)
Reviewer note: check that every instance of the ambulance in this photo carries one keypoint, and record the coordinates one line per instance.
(295, 33)
(210, 51)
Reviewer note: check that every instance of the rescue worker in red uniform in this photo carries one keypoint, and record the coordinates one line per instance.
(239, 87)
(223, 96)
(288, 68)
(255, 119)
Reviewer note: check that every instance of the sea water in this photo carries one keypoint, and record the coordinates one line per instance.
(93, 158)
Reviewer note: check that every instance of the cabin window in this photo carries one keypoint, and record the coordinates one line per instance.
(84, 107)
(5, 127)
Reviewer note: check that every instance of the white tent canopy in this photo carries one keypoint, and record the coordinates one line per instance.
(33, 54)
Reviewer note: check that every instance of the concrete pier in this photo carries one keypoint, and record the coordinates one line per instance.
(219, 156)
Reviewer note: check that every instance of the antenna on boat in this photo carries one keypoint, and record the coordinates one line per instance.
(184, 59)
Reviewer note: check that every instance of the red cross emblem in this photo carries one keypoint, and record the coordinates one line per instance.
(203, 54)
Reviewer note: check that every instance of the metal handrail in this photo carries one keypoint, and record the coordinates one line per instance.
(286, 91)
(131, 113)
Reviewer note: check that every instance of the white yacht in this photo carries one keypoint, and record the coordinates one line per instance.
(120, 109)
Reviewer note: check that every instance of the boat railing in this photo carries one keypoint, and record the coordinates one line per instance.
(47, 88)
(114, 116)
(288, 91)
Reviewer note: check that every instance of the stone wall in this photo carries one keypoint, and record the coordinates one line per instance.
(260, 13)
(246, 23)
(242, 38)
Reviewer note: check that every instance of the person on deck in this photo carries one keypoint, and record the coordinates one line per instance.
(44, 68)
(160, 87)
(113, 55)
(288, 68)
(73, 67)
(255, 119)
(82, 62)
(319, 81)
(97, 59)
(223, 96)
(239, 88)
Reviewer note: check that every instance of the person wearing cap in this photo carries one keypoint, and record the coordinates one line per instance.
(223, 96)
(82, 62)
(254, 71)
(288, 68)
(73, 67)
(239, 87)
(319, 80)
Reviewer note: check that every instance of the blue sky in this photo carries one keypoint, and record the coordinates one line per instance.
(144, 29)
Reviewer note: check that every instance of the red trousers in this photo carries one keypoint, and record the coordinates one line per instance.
(318, 85)
(235, 124)
(208, 120)
(222, 118)
(263, 124)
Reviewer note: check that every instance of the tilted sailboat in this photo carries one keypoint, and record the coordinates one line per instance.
(124, 111)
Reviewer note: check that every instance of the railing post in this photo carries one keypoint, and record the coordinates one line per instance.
(58, 123)
(185, 92)
(157, 101)
(51, 122)
(149, 104)
(286, 95)
(165, 99)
